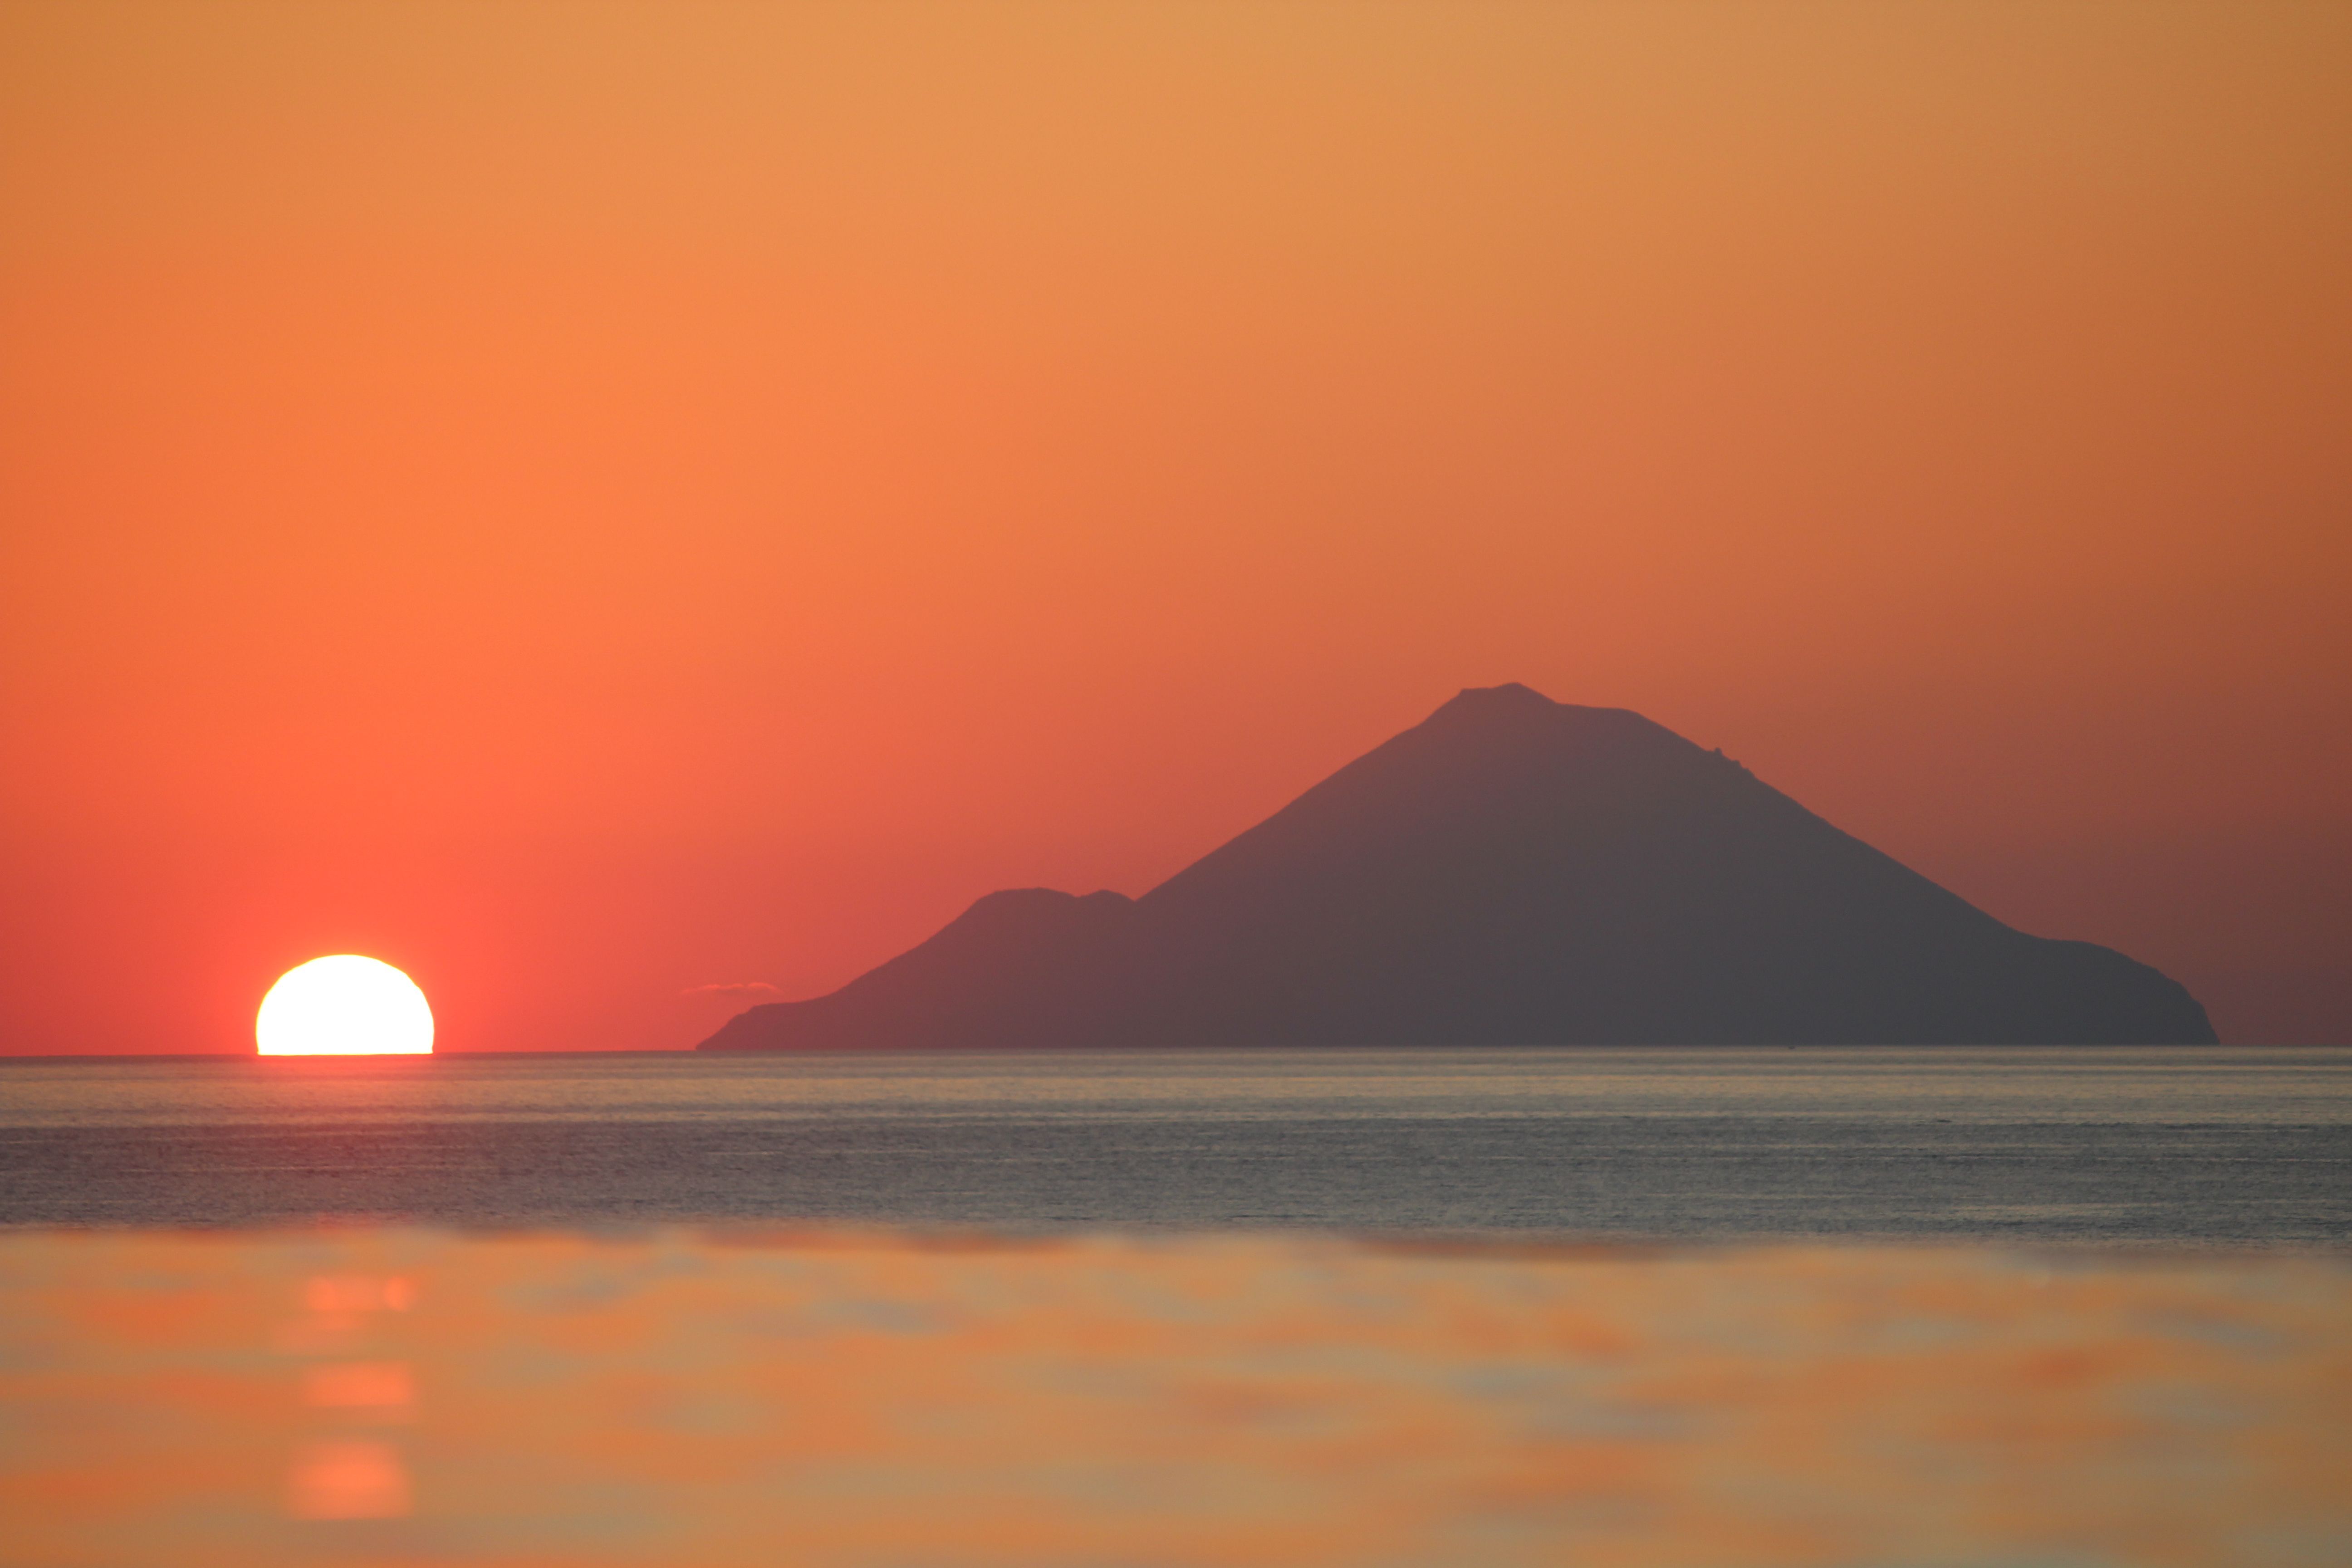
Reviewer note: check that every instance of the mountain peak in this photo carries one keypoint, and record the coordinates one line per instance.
(1502, 707)
(1511, 871)
(1512, 708)
(1510, 691)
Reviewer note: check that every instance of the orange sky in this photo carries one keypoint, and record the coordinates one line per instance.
(582, 503)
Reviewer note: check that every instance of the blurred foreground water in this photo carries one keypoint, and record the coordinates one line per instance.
(2157, 1145)
(387, 1397)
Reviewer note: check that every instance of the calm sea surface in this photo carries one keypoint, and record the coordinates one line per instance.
(2176, 1144)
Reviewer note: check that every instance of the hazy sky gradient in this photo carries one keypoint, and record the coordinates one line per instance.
(584, 503)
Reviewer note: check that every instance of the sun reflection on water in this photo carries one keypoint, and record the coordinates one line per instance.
(346, 1477)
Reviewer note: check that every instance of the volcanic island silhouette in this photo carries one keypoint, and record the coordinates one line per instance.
(1510, 871)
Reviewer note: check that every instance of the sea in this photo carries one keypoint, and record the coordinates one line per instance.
(2174, 1145)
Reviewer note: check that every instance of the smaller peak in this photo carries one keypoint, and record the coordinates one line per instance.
(1026, 906)
(1005, 896)
(1015, 904)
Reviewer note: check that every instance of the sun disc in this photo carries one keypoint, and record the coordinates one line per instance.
(343, 1006)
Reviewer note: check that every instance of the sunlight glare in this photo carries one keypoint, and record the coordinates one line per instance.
(344, 1005)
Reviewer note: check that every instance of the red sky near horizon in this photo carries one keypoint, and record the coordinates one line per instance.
(589, 502)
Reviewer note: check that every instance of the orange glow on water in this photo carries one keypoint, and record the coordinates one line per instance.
(349, 1478)
(1239, 1400)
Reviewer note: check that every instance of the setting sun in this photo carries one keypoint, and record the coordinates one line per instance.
(344, 1005)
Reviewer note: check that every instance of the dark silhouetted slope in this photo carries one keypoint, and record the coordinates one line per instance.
(1512, 871)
